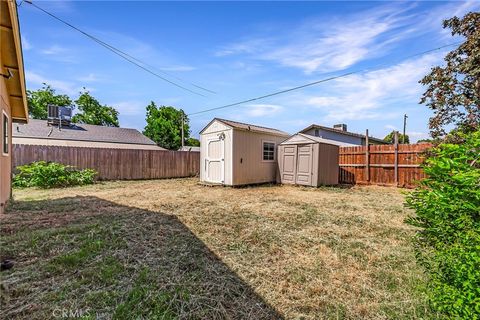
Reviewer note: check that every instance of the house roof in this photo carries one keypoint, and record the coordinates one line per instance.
(352, 134)
(80, 132)
(189, 148)
(248, 127)
(316, 139)
(12, 61)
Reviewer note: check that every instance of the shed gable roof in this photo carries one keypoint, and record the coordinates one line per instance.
(80, 132)
(247, 127)
(305, 138)
(347, 133)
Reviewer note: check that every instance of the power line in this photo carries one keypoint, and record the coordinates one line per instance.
(140, 64)
(315, 82)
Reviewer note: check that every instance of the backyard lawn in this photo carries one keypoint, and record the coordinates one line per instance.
(167, 249)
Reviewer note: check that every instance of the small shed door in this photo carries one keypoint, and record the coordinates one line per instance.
(288, 163)
(304, 164)
(215, 160)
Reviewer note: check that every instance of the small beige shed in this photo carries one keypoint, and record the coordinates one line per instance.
(308, 160)
(234, 153)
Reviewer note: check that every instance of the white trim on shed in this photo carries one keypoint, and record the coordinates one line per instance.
(231, 153)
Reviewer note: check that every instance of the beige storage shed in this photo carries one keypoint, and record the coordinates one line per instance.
(234, 153)
(308, 160)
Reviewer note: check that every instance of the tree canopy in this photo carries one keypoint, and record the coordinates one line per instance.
(164, 125)
(453, 90)
(92, 112)
(38, 101)
(391, 137)
(192, 142)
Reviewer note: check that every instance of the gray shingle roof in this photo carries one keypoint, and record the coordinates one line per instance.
(80, 132)
(320, 140)
(251, 127)
(347, 133)
(189, 148)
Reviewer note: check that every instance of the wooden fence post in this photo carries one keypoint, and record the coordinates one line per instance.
(396, 158)
(367, 157)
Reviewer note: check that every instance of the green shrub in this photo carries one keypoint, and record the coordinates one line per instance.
(447, 206)
(51, 175)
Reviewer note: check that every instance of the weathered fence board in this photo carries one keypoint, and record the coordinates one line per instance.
(114, 164)
(396, 165)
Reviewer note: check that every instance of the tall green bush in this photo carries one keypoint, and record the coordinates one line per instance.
(51, 175)
(447, 206)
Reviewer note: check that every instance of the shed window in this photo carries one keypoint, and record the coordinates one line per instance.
(268, 151)
(317, 133)
(5, 147)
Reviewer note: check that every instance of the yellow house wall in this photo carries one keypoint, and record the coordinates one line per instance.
(5, 159)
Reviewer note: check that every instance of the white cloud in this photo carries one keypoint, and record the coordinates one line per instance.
(415, 135)
(143, 52)
(129, 108)
(249, 46)
(342, 41)
(391, 127)
(64, 87)
(325, 46)
(368, 95)
(177, 68)
(467, 6)
(64, 6)
(54, 50)
(26, 45)
(91, 77)
(60, 54)
(261, 110)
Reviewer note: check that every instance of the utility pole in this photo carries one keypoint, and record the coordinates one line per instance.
(183, 133)
(404, 127)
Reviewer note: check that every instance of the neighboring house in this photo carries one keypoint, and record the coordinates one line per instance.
(339, 133)
(189, 148)
(13, 101)
(40, 132)
(234, 153)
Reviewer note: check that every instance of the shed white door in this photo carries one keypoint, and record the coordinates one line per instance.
(215, 160)
(304, 164)
(288, 163)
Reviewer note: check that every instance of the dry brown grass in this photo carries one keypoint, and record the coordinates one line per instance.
(306, 253)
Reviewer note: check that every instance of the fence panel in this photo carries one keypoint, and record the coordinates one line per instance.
(394, 165)
(114, 164)
(382, 165)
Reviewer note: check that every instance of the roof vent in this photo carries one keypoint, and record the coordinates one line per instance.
(59, 115)
(340, 126)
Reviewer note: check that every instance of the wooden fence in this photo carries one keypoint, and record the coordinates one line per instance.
(394, 165)
(114, 164)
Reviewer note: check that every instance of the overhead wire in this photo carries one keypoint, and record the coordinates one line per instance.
(315, 82)
(140, 64)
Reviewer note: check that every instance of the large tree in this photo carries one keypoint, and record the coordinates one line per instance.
(92, 112)
(164, 126)
(391, 137)
(453, 90)
(38, 101)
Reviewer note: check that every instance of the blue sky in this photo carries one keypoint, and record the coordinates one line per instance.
(245, 49)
